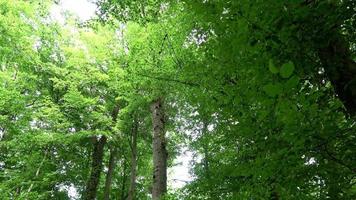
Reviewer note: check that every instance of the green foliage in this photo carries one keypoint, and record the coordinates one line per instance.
(286, 70)
(273, 89)
(245, 86)
(272, 67)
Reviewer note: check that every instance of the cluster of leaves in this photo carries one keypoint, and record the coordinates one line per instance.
(245, 83)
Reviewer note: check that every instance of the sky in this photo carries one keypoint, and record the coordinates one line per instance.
(177, 175)
(82, 8)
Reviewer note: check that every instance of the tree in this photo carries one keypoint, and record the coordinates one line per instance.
(262, 94)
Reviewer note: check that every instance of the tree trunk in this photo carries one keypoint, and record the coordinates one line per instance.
(123, 188)
(274, 195)
(159, 150)
(131, 195)
(110, 173)
(206, 150)
(113, 152)
(341, 70)
(96, 168)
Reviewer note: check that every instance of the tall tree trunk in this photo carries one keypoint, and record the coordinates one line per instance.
(131, 195)
(341, 70)
(206, 150)
(110, 173)
(123, 188)
(113, 152)
(96, 168)
(159, 150)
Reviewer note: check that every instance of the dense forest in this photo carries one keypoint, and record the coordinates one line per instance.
(261, 93)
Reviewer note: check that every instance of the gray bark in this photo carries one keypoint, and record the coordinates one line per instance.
(110, 173)
(123, 188)
(160, 154)
(96, 168)
(112, 159)
(131, 194)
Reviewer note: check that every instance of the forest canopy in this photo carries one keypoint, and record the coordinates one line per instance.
(261, 94)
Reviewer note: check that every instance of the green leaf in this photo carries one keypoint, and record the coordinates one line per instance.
(287, 69)
(272, 90)
(292, 82)
(272, 68)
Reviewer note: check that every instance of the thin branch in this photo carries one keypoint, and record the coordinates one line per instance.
(181, 180)
(339, 161)
(38, 170)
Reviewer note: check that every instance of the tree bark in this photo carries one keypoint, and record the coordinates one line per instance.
(112, 159)
(206, 150)
(110, 173)
(131, 195)
(341, 70)
(123, 188)
(96, 168)
(159, 150)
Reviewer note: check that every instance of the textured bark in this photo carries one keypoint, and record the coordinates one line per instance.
(124, 177)
(131, 194)
(341, 71)
(113, 152)
(96, 168)
(160, 154)
(110, 173)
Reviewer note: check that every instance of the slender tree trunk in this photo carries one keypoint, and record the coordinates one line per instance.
(159, 150)
(206, 162)
(112, 159)
(110, 173)
(131, 195)
(123, 188)
(206, 150)
(96, 168)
